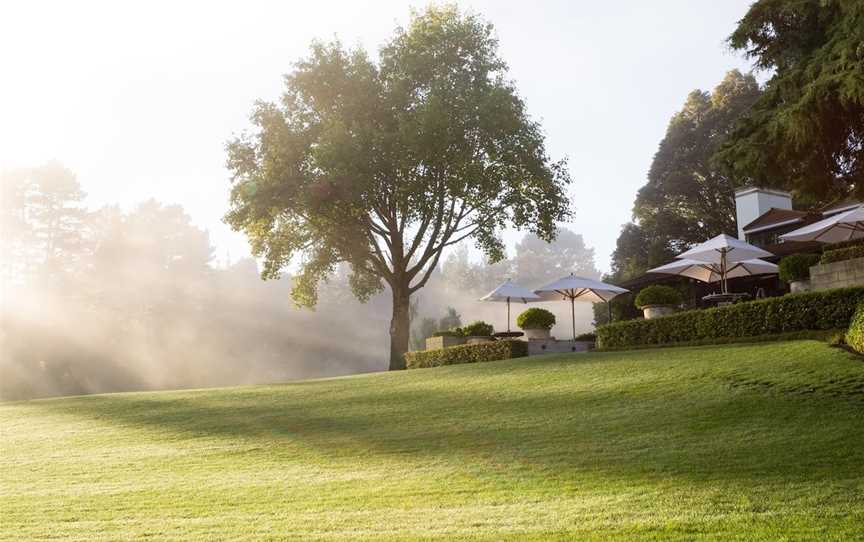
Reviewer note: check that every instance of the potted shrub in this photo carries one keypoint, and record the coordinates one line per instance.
(478, 332)
(795, 270)
(536, 323)
(658, 300)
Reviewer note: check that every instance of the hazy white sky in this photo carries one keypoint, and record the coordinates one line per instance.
(139, 98)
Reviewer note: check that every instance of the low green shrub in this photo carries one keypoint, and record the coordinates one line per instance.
(658, 294)
(449, 333)
(842, 254)
(855, 335)
(829, 309)
(536, 318)
(797, 267)
(587, 337)
(837, 338)
(466, 353)
(478, 329)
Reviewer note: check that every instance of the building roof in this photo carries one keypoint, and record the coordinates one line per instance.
(775, 217)
(844, 205)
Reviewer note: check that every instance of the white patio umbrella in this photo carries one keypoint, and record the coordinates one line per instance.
(834, 229)
(580, 288)
(709, 272)
(724, 251)
(508, 291)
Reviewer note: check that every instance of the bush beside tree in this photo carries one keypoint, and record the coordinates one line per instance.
(467, 353)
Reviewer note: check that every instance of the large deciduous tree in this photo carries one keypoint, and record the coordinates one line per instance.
(688, 197)
(383, 165)
(806, 132)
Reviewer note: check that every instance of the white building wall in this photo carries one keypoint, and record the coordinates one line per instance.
(751, 203)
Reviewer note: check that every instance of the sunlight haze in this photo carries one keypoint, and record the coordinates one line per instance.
(139, 99)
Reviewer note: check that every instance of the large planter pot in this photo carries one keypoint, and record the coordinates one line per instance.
(476, 339)
(537, 334)
(656, 311)
(800, 286)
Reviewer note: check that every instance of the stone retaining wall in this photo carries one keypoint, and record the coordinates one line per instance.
(838, 274)
(434, 343)
(551, 346)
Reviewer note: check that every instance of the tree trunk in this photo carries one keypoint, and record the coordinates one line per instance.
(400, 327)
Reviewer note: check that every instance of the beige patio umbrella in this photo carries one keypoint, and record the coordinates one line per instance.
(724, 251)
(841, 227)
(709, 272)
(572, 288)
(506, 292)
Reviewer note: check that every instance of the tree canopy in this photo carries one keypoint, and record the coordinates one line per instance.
(688, 197)
(806, 132)
(385, 164)
(538, 262)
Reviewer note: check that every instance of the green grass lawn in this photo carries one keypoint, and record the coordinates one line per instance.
(739, 442)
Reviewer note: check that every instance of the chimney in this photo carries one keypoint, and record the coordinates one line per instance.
(752, 202)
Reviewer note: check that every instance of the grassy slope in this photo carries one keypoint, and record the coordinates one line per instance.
(734, 442)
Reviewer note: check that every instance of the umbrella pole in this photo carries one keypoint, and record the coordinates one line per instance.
(508, 315)
(609, 306)
(573, 316)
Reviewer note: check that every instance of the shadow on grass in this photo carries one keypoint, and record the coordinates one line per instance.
(712, 432)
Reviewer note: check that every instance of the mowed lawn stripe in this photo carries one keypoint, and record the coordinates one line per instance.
(730, 442)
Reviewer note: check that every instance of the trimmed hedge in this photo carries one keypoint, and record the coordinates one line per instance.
(842, 254)
(797, 267)
(829, 309)
(466, 353)
(855, 335)
(844, 244)
(825, 335)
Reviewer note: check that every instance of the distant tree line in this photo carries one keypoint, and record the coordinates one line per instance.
(107, 300)
(110, 300)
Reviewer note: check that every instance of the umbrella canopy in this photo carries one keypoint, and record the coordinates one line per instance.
(580, 288)
(724, 248)
(724, 251)
(834, 229)
(707, 272)
(508, 291)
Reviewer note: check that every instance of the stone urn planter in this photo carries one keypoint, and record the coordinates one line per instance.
(657, 300)
(656, 311)
(536, 323)
(537, 333)
(800, 286)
